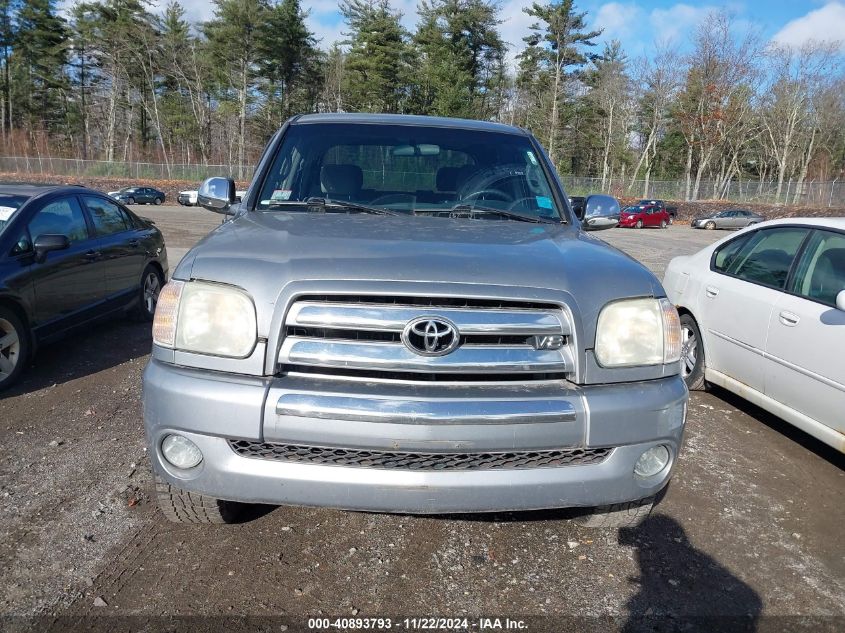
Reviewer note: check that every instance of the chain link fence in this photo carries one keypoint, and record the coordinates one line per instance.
(44, 165)
(810, 193)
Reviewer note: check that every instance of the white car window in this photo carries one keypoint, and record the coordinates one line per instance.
(767, 257)
(724, 256)
(820, 274)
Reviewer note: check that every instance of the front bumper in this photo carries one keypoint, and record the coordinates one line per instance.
(209, 408)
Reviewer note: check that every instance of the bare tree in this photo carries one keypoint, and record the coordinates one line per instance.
(656, 81)
(718, 73)
(789, 115)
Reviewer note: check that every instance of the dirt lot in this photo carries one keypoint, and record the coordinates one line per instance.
(750, 531)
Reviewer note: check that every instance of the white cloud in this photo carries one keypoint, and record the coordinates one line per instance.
(516, 24)
(619, 20)
(678, 20)
(824, 24)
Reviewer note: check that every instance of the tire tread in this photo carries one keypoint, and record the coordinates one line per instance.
(183, 506)
(617, 515)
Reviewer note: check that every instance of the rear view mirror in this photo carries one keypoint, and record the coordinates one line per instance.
(600, 212)
(217, 194)
(840, 301)
(424, 149)
(49, 242)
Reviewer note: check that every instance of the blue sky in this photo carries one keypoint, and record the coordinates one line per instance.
(637, 23)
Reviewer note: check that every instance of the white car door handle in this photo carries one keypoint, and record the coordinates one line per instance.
(789, 319)
(711, 291)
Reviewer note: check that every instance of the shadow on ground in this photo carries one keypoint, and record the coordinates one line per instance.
(682, 588)
(781, 426)
(103, 346)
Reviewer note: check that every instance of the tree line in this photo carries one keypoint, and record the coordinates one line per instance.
(112, 80)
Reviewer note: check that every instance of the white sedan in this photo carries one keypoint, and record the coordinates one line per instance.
(763, 315)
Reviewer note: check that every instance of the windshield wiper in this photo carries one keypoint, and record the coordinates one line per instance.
(319, 205)
(462, 209)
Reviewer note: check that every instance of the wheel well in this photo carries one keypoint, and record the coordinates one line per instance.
(158, 267)
(681, 312)
(17, 308)
(20, 312)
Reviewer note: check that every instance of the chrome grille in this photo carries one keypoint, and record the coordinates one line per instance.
(514, 460)
(363, 334)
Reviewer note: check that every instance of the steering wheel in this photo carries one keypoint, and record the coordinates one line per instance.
(513, 205)
(393, 198)
(498, 194)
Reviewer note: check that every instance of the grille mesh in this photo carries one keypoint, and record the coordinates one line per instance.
(419, 461)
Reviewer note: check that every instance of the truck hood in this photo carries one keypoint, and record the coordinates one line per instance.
(264, 252)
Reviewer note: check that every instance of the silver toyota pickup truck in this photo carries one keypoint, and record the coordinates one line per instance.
(403, 314)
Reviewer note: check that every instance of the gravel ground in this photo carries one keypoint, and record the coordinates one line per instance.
(750, 528)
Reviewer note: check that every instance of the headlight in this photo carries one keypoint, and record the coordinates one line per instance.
(636, 332)
(205, 318)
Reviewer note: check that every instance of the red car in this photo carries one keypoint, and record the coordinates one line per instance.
(642, 215)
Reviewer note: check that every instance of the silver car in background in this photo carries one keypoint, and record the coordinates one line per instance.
(729, 219)
(763, 315)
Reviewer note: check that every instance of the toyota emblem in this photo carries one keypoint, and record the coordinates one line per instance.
(431, 336)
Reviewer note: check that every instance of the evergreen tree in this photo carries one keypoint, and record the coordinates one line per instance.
(40, 54)
(287, 50)
(375, 78)
(555, 44)
(81, 61)
(176, 42)
(460, 58)
(234, 41)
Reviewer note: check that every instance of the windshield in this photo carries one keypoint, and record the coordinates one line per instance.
(9, 204)
(634, 210)
(417, 170)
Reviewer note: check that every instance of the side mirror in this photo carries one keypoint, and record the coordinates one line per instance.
(577, 204)
(49, 242)
(217, 194)
(840, 301)
(600, 212)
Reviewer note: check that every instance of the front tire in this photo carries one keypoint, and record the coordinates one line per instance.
(181, 506)
(130, 201)
(663, 224)
(618, 515)
(710, 225)
(157, 201)
(152, 282)
(692, 354)
(14, 347)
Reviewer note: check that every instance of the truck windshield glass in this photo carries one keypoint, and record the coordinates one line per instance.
(8, 207)
(444, 172)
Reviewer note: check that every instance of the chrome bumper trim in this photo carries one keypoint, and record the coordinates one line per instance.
(474, 359)
(426, 410)
(377, 317)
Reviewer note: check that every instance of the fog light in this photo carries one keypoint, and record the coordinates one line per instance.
(181, 452)
(652, 461)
